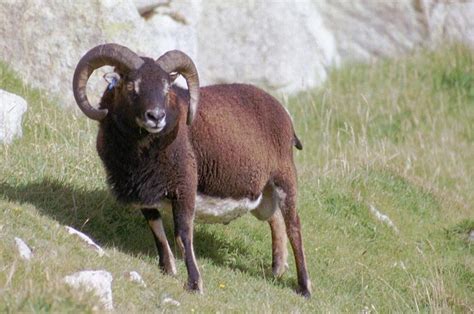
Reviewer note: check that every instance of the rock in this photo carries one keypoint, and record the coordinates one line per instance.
(86, 239)
(450, 21)
(170, 301)
(383, 218)
(135, 277)
(146, 6)
(23, 249)
(367, 29)
(44, 44)
(283, 47)
(99, 282)
(12, 108)
(470, 238)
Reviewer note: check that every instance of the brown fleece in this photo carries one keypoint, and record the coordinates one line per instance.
(240, 142)
(242, 138)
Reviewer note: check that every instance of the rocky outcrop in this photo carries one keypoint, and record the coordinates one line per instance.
(12, 108)
(368, 29)
(43, 40)
(281, 46)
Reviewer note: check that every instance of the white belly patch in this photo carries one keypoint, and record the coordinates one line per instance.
(217, 210)
(222, 210)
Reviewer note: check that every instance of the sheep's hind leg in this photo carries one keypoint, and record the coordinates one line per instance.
(279, 240)
(286, 192)
(166, 258)
(269, 210)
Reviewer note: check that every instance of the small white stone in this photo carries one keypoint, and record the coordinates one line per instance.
(170, 301)
(383, 218)
(135, 277)
(471, 236)
(12, 108)
(86, 239)
(99, 282)
(400, 264)
(23, 249)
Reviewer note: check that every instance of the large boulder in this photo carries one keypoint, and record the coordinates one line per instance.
(289, 46)
(12, 108)
(367, 29)
(281, 46)
(452, 21)
(43, 40)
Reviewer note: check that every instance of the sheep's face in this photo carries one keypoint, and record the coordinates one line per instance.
(143, 98)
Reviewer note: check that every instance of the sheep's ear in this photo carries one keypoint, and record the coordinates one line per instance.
(112, 78)
(173, 76)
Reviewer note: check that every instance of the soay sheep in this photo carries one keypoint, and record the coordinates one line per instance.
(232, 155)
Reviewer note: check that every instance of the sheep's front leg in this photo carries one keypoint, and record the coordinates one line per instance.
(167, 262)
(183, 215)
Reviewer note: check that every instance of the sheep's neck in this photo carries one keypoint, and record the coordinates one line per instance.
(131, 159)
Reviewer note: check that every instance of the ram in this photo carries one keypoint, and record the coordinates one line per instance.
(211, 154)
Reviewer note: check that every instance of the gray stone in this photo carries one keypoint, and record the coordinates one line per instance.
(452, 21)
(283, 46)
(367, 29)
(383, 218)
(86, 239)
(146, 6)
(135, 277)
(12, 108)
(23, 249)
(470, 238)
(170, 301)
(99, 282)
(44, 40)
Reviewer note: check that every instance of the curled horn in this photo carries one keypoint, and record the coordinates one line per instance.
(107, 54)
(178, 61)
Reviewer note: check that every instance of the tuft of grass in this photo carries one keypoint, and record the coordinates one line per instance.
(396, 135)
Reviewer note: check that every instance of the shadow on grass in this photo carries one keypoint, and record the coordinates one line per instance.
(111, 224)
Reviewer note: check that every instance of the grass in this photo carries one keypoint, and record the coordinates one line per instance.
(397, 135)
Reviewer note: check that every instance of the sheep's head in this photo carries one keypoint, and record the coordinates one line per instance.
(140, 97)
(140, 85)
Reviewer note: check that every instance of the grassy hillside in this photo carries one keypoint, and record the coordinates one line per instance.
(395, 135)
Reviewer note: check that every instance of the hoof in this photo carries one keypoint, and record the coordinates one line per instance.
(194, 287)
(279, 270)
(169, 270)
(305, 290)
(304, 293)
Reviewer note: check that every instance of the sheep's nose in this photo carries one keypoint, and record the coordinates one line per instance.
(155, 115)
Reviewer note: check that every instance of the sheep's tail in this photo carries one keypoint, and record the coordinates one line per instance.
(297, 142)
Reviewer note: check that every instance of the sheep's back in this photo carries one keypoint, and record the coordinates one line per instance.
(242, 136)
